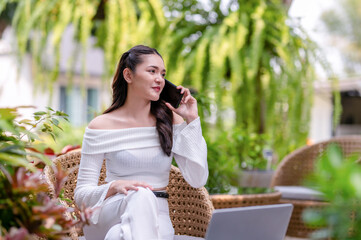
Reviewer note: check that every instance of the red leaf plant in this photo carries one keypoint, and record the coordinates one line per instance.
(27, 210)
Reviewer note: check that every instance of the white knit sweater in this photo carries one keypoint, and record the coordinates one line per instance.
(136, 154)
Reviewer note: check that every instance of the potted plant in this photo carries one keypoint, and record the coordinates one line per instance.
(236, 159)
(254, 158)
(26, 209)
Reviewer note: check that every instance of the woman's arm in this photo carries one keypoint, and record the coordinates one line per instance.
(87, 191)
(189, 146)
(190, 153)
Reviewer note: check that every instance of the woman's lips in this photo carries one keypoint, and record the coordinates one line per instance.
(157, 89)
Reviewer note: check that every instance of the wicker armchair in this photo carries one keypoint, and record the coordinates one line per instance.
(296, 166)
(190, 209)
(232, 201)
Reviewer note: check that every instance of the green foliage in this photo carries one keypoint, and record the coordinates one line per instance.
(17, 137)
(343, 216)
(250, 148)
(258, 64)
(222, 164)
(69, 135)
(254, 61)
(26, 210)
(230, 152)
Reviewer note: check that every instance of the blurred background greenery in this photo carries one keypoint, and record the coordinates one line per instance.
(250, 66)
(341, 218)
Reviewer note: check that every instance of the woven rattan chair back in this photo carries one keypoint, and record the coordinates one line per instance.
(190, 209)
(293, 170)
(296, 166)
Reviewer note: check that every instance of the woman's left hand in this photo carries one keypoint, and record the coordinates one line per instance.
(188, 106)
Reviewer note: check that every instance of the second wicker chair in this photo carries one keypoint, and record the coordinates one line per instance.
(296, 166)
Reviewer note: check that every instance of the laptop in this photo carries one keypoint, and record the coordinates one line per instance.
(268, 222)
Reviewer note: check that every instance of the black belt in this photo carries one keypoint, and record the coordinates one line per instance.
(161, 194)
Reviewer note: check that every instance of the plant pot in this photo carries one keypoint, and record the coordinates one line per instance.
(255, 178)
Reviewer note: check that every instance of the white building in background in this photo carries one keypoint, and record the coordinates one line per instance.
(323, 108)
(308, 12)
(17, 84)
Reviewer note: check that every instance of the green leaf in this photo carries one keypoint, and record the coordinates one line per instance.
(13, 149)
(52, 135)
(355, 180)
(40, 113)
(41, 157)
(59, 127)
(16, 161)
(8, 126)
(8, 113)
(49, 108)
(60, 113)
(47, 126)
(55, 121)
(334, 156)
(25, 121)
(31, 135)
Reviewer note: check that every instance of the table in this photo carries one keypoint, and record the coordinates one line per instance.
(244, 200)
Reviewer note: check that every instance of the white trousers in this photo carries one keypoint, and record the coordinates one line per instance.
(140, 215)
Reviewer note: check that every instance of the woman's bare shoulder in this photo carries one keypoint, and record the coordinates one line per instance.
(177, 119)
(104, 121)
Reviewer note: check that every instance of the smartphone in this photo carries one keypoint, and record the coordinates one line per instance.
(171, 94)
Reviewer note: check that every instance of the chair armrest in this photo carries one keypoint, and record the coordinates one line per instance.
(190, 209)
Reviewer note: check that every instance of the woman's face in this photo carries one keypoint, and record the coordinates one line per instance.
(148, 78)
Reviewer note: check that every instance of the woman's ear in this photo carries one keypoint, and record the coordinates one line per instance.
(127, 73)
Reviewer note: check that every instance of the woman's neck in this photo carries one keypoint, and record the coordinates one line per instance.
(137, 111)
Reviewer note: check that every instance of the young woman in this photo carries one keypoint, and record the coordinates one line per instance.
(138, 135)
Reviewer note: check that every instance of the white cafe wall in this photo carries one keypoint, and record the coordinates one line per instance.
(17, 85)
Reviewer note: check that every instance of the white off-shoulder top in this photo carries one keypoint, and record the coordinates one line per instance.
(136, 154)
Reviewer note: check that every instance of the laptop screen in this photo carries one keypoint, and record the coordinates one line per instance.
(250, 223)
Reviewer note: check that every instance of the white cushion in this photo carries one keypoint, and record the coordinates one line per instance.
(184, 237)
(298, 192)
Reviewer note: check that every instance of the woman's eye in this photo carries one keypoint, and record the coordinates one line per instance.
(152, 71)
(163, 75)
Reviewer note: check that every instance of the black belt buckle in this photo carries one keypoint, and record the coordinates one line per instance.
(161, 194)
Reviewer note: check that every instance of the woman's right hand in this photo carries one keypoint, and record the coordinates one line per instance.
(122, 186)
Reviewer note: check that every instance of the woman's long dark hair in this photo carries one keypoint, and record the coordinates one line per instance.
(163, 115)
